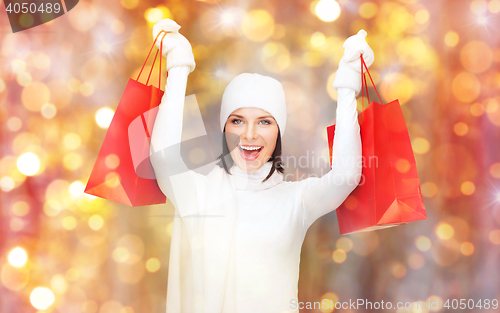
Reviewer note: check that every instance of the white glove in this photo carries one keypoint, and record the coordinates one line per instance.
(349, 72)
(176, 48)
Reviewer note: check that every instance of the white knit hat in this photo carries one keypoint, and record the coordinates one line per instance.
(255, 91)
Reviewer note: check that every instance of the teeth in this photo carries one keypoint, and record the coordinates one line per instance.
(250, 148)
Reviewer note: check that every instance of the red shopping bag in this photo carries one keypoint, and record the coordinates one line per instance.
(389, 191)
(122, 171)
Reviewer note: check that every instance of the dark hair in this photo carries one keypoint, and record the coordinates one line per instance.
(226, 161)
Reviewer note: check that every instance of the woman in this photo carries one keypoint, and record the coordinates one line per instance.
(238, 231)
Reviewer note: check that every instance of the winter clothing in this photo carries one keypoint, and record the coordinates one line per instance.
(257, 91)
(349, 72)
(236, 241)
(176, 48)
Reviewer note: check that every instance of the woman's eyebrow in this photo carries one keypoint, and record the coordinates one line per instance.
(267, 116)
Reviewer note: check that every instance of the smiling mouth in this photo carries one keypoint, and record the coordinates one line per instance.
(250, 152)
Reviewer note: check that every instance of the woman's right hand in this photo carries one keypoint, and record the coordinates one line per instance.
(176, 48)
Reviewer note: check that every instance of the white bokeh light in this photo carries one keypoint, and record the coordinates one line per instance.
(28, 164)
(327, 10)
(104, 116)
(228, 18)
(17, 257)
(7, 183)
(76, 189)
(41, 298)
(482, 20)
(48, 111)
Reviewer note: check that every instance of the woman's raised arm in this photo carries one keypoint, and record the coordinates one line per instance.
(175, 180)
(323, 195)
(320, 196)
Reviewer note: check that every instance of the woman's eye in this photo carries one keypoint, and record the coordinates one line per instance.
(239, 121)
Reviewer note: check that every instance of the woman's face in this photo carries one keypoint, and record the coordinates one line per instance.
(257, 132)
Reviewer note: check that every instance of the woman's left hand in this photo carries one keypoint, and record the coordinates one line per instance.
(354, 47)
(349, 72)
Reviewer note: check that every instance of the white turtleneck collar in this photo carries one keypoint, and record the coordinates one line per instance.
(253, 180)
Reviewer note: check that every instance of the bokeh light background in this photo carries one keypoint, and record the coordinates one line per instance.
(63, 251)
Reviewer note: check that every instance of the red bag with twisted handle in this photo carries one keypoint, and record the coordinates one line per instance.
(389, 191)
(122, 171)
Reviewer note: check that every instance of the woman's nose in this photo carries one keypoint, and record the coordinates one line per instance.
(250, 132)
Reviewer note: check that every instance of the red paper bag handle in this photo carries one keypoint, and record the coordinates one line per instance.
(154, 61)
(151, 71)
(365, 85)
